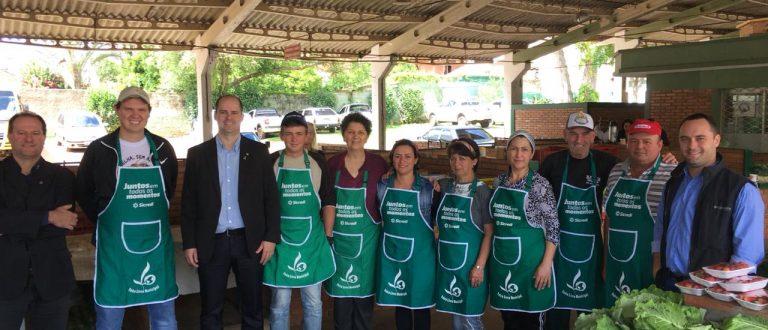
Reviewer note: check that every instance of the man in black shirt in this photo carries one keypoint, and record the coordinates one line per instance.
(36, 199)
(578, 176)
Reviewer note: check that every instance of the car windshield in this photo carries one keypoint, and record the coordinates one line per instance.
(84, 121)
(250, 136)
(265, 113)
(325, 111)
(359, 107)
(7, 102)
(473, 133)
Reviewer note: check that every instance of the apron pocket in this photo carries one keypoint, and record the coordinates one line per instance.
(506, 250)
(618, 244)
(396, 248)
(295, 230)
(452, 255)
(348, 246)
(573, 246)
(141, 237)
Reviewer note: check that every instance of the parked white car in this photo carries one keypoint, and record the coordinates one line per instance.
(323, 118)
(462, 113)
(362, 108)
(77, 129)
(265, 119)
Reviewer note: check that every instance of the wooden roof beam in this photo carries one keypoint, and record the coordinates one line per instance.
(682, 17)
(620, 16)
(226, 23)
(430, 27)
(166, 3)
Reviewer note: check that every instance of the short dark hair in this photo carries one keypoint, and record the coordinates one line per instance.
(457, 147)
(239, 102)
(404, 142)
(28, 114)
(699, 115)
(356, 117)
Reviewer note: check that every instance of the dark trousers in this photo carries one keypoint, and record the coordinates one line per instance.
(407, 319)
(353, 313)
(40, 313)
(558, 319)
(522, 320)
(665, 279)
(230, 252)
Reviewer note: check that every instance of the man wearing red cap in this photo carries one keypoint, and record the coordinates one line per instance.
(633, 193)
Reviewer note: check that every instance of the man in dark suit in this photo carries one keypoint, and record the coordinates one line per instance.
(36, 200)
(230, 218)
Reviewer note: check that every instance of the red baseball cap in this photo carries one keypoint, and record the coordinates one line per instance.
(645, 126)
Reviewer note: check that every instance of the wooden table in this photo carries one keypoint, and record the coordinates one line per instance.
(718, 310)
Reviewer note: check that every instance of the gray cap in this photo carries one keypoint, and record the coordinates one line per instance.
(526, 135)
(133, 92)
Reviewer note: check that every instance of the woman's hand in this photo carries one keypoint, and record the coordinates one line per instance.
(476, 276)
(543, 276)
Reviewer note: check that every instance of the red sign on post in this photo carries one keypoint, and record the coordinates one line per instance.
(292, 51)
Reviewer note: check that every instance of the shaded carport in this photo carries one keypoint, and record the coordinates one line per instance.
(381, 32)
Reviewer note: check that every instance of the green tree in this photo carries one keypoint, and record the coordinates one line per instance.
(586, 93)
(140, 69)
(592, 57)
(37, 76)
(102, 103)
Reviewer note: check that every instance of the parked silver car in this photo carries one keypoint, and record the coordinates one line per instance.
(323, 118)
(77, 129)
(443, 135)
(266, 119)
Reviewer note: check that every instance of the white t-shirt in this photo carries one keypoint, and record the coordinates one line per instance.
(136, 154)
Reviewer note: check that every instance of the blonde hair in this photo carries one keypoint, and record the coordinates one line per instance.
(312, 144)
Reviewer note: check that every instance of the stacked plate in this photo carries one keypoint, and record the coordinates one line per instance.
(728, 281)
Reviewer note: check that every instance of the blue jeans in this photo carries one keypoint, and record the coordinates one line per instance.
(279, 316)
(162, 316)
(467, 323)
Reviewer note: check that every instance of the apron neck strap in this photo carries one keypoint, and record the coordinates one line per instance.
(592, 168)
(281, 160)
(416, 181)
(529, 180)
(365, 177)
(472, 186)
(653, 171)
(152, 150)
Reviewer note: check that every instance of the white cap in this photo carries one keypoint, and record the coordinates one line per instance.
(133, 92)
(580, 119)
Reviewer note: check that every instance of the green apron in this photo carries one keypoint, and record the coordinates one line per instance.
(580, 253)
(406, 263)
(516, 251)
(134, 248)
(303, 257)
(629, 264)
(457, 249)
(355, 238)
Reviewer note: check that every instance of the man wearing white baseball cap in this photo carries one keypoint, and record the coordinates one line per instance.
(578, 176)
(124, 183)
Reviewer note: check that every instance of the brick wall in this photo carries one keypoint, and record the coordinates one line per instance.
(670, 107)
(543, 123)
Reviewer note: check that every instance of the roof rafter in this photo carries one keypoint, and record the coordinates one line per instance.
(503, 29)
(682, 17)
(330, 15)
(620, 16)
(171, 3)
(311, 35)
(101, 22)
(430, 27)
(227, 22)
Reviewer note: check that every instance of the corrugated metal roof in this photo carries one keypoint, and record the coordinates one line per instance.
(344, 28)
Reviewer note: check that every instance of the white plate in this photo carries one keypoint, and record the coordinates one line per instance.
(730, 273)
(691, 291)
(744, 287)
(703, 281)
(752, 306)
(719, 296)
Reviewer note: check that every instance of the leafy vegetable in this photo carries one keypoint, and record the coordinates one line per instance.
(744, 322)
(663, 315)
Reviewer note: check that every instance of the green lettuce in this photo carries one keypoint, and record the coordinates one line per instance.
(744, 322)
(599, 319)
(663, 315)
